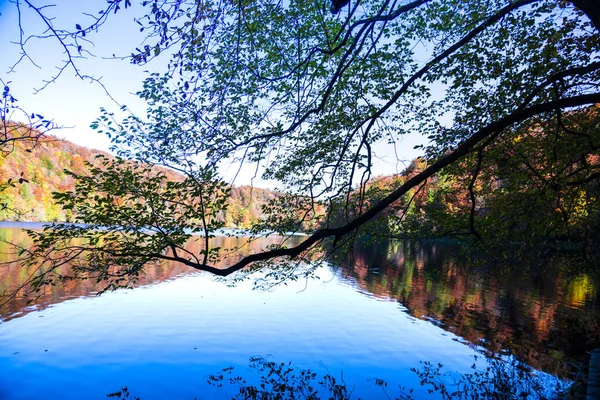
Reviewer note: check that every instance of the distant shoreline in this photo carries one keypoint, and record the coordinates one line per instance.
(221, 232)
(23, 224)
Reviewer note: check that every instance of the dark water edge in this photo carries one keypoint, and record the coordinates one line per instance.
(546, 316)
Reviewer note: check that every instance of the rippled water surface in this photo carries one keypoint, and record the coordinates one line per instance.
(376, 316)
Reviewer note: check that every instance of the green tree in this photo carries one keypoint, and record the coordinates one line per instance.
(526, 197)
(306, 94)
(537, 190)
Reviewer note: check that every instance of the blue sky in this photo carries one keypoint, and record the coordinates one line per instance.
(70, 101)
(74, 103)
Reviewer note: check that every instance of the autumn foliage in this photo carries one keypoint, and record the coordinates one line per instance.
(31, 174)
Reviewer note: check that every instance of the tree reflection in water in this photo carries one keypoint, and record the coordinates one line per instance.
(546, 317)
(13, 275)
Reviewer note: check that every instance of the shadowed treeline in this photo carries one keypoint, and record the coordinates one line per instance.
(544, 317)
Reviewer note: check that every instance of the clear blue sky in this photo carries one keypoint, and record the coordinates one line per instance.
(70, 101)
(74, 103)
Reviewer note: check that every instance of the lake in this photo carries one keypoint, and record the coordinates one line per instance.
(382, 312)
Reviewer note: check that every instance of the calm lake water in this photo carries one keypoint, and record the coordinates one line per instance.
(388, 308)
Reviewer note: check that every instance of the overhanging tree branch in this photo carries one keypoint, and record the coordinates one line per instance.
(488, 132)
(309, 109)
(591, 9)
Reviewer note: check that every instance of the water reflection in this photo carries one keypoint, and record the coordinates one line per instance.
(544, 317)
(164, 339)
(13, 275)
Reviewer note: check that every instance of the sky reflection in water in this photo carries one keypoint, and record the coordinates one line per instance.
(162, 340)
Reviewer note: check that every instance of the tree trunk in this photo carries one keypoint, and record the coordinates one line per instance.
(591, 8)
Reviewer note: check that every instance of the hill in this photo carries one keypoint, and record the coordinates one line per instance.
(29, 175)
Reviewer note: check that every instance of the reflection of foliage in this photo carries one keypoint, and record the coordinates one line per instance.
(122, 394)
(547, 317)
(579, 290)
(501, 378)
(16, 293)
(282, 381)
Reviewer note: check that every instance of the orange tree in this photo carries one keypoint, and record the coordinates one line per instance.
(28, 133)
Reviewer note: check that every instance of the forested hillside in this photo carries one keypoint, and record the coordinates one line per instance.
(538, 190)
(554, 178)
(30, 175)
